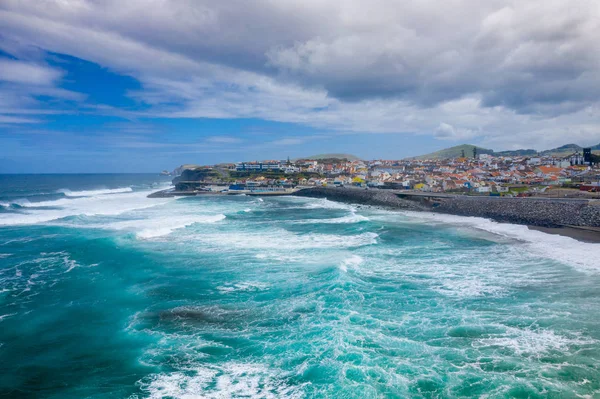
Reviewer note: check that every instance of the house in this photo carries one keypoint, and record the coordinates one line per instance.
(545, 171)
(534, 161)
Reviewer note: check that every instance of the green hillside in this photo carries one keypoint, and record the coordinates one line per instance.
(467, 150)
(563, 150)
(455, 152)
(517, 153)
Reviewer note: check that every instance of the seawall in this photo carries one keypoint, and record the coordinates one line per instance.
(527, 211)
(382, 198)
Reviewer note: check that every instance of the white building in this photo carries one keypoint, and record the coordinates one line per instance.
(241, 166)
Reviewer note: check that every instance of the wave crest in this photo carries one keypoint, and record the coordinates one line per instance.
(230, 380)
(92, 193)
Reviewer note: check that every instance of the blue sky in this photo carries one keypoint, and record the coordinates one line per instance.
(77, 136)
(145, 86)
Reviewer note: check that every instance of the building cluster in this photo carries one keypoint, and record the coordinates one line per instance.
(484, 174)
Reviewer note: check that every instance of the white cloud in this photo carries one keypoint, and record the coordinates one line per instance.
(503, 72)
(223, 140)
(296, 140)
(447, 132)
(21, 82)
(6, 119)
(14, 71)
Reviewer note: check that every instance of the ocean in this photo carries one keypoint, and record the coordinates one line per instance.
(105, 293)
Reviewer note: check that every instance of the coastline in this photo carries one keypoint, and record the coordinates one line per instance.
(576, 220)
(579, 234)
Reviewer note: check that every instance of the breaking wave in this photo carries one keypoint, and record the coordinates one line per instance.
(581, 255)
(153, 227)
(92, 193)
(229, 380)
(99, 204)
(352, 218)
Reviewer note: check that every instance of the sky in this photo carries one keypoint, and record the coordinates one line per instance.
(147, 85)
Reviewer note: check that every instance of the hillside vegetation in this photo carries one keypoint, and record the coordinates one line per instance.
(467, 151)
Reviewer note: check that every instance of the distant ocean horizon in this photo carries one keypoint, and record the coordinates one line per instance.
(106, 293)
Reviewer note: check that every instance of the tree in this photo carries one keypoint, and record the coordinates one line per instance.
(462, 153)
(475, 152)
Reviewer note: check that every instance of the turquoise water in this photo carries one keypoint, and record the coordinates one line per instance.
(105, 293)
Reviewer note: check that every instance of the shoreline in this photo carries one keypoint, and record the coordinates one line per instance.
(576, 220)
(170, 193)
(579, 234)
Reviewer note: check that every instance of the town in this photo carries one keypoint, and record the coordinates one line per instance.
(576, 174)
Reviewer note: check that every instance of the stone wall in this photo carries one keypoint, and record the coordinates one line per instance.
(543, 213)
(361, 196)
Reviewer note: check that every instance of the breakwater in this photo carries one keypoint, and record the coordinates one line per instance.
(375, 197)
(527, 211)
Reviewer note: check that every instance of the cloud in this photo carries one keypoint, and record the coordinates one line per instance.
(296, 140)
(223, 140)
(501, 72)
(14, 71)
(446, 131)
(5, 119)
(21, 82)
(288, 141)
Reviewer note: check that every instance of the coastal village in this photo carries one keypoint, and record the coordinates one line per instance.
(550, 190)
(476, 174)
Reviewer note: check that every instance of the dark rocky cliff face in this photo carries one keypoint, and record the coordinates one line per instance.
(197, 175)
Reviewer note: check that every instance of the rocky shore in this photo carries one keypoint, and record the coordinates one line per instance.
(382, 198)
(529, 211)
(171, 193)
(563, 217)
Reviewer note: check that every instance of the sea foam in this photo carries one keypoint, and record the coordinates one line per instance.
(99, 204)
(91, 193)
(157, 226)
(229, 380)
(352, 262)
(351, 218)
(280, 239)
(578, 254)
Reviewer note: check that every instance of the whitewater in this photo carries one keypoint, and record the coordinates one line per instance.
(106, 293)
